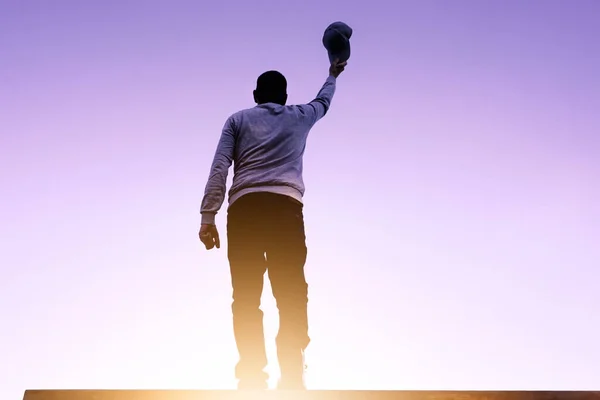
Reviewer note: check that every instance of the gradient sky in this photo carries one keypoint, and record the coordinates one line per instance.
(452, 205)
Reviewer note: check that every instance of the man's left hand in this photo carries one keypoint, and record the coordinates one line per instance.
(209, 236)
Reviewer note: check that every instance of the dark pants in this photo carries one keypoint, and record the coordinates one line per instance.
(265, 232)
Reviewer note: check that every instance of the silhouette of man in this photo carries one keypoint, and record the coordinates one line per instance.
(265, 223)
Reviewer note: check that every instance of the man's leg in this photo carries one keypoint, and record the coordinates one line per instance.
(286, 257)
(247, 266)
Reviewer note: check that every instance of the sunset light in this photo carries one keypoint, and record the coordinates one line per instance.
(451, 208)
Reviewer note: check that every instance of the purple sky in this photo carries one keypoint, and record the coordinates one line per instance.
(452, 203)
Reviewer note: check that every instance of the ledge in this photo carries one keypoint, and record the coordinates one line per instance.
(308, 395)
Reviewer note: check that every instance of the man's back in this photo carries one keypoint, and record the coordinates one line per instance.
(266, 144)
(270, 144)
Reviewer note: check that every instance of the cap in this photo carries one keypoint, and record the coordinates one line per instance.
(336, 40)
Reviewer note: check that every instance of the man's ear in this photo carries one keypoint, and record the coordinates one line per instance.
(255, 96)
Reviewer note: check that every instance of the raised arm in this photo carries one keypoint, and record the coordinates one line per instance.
(317, 108)
(216, 187)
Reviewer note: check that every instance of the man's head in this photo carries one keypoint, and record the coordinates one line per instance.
(271, 87)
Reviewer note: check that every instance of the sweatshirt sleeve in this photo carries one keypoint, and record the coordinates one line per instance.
(214, 193)
(317, 108)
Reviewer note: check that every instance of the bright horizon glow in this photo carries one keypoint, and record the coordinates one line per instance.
(452, 206)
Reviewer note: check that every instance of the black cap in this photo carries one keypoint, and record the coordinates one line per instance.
(336, 40)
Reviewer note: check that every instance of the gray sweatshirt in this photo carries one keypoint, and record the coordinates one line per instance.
(266, 144)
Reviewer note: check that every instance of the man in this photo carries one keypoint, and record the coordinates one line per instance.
(265, 225)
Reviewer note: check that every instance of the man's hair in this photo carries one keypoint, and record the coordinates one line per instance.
(271, 86)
